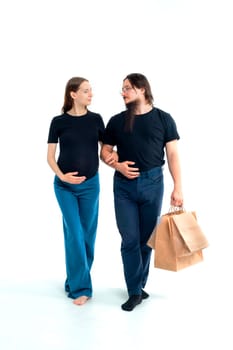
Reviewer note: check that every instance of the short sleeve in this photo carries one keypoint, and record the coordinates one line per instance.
(101, 128)
(171, 132)
(109, 134)
(53, 134)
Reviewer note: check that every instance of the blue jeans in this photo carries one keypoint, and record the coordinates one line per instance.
(79, 205)
(138, 205)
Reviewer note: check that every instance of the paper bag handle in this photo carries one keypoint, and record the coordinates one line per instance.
(175, 208)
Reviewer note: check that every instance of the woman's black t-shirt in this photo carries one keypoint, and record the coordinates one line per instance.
(78, 142)
(145, 144)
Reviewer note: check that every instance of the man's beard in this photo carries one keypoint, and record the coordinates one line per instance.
(131, 108)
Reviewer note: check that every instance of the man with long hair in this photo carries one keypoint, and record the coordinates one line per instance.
(141, 134)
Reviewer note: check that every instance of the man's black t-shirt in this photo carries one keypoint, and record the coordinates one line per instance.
(145, 144)
(78, 141)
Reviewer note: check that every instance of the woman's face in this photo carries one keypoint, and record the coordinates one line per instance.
(83, 95)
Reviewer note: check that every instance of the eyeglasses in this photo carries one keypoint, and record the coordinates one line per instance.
(126, 89)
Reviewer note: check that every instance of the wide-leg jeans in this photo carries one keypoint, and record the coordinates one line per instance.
(138, 205)
(79, 205)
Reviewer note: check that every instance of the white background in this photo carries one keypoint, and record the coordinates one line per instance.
(185, 50)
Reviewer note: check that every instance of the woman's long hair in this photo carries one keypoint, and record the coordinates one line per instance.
(72, 85)
(138, 81)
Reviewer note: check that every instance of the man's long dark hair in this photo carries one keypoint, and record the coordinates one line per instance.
(138, 81)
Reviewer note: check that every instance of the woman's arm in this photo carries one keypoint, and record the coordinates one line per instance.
(70, 177)
(110, 157)
(51, 159)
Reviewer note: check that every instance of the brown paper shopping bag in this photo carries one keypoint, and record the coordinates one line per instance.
(178, 241)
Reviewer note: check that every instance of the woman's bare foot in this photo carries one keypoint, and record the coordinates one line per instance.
(80, 300)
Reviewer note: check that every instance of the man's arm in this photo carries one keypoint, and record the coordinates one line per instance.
(175, 171)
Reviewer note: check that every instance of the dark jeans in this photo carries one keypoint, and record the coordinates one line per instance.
(138, 205)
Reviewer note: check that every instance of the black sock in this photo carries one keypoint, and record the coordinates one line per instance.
(133, 301)
(145, 295)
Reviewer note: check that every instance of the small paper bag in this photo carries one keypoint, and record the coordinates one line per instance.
(178, 241)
